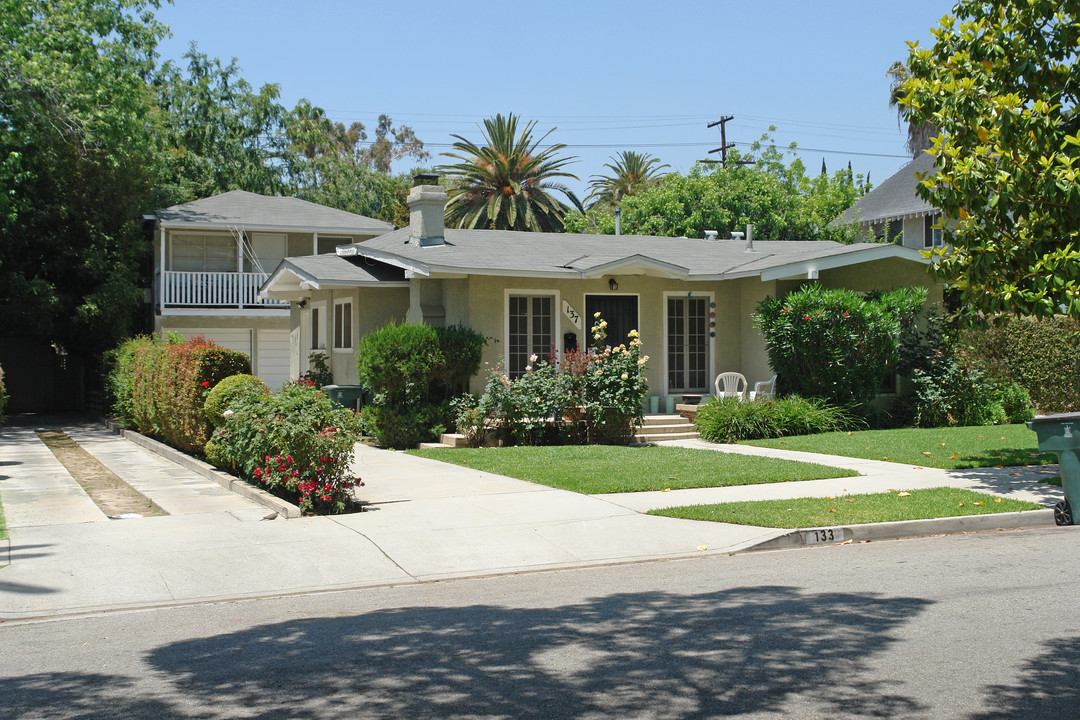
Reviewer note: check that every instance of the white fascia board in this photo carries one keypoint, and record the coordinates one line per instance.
(845, 259)
(354, 250)
(627, 266)
(227, 312)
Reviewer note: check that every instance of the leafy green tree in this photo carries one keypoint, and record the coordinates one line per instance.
(1001, 82)
(217, 133)
(76, 159)
(776, 196)
(630, 172)
(506, 182)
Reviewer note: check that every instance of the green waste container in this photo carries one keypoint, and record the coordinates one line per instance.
(1061, 434)
(347, 396)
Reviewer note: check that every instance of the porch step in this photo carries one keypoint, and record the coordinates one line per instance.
(656, 428)
(641, 437)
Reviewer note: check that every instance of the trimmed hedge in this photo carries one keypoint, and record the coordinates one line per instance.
(1043, 356)
(413, 371)
(161, 386)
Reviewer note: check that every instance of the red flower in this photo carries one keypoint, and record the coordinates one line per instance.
(206, 383)
(784, 310)
(806, 318)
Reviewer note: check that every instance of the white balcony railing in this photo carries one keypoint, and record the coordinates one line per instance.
(214, 290)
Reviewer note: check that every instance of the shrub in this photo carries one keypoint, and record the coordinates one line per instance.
(730, 419)
(835, 344)
(1042, 356)
(296, 442)
(320, 373)
(470, 420)
(170, 384)
(950, 387)
(227, 394)
(122, 375)
(413, 370)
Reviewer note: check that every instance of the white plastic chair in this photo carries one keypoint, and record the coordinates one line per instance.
(764, 389)
(730, 384)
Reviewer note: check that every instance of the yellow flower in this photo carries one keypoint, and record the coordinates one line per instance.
(625, 376)
(596, 314)
(599, 373)
(603, 323)
(632, 333)
(641, 362)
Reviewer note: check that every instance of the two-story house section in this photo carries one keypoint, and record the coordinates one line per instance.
(212, 255)
(894, 212)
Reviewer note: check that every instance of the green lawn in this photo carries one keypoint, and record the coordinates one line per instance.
(3, 524)
(850, 509)
(595, 469)
(955, 447)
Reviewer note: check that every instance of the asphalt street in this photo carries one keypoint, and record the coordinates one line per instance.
(979, 626)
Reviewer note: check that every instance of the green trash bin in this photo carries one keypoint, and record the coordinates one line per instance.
(346, 396)
(1061, 434)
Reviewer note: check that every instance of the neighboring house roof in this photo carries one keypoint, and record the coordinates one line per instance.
(260, 212)
(563, 255)
(894, 199)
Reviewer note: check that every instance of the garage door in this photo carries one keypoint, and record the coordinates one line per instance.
(231, 338)
(273, 357)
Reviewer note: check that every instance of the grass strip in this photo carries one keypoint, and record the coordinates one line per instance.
(851, 509)
(3, 523)
(105, 488)
(954, 447)
(593, 469)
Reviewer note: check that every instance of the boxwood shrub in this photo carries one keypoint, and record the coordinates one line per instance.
(228, 393)
(730, 419)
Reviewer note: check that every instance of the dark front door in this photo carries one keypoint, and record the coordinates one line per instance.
(621, 313)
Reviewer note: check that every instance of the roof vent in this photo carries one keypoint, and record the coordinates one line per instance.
(711, 234)
(749, 238)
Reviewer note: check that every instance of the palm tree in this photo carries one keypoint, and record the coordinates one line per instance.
(919, 133)
(504, 184)
(631, 170)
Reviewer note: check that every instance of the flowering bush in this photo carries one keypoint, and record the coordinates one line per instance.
(835, 344)
(596, 395)
(227, 393)
(294, 442)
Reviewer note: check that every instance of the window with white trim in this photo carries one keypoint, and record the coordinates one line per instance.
(203, 253)
(531, 330)
(343, 325)
(932, 235)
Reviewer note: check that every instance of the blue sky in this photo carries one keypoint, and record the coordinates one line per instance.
(610, 76)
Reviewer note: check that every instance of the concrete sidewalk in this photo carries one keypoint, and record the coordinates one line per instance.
(426, 521)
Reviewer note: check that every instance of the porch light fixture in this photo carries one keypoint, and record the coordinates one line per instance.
(613, 285)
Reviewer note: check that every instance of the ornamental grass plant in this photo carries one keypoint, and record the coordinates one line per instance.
(730, 419)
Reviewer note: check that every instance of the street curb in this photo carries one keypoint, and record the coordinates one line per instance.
(808, 537)
(283, 508)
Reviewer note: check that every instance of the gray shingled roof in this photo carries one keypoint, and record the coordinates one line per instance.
(332, 269)
(501, 252)
(253, 211)
(893, 199)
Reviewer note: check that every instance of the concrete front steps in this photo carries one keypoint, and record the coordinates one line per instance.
(654, 429)
(665, 427)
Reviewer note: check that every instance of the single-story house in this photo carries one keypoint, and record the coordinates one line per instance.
(214, 253)
(691, 299)
(893, 212)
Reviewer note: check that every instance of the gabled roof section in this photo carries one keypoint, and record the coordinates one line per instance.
(260, 212)
(894, 199)
(297, 275)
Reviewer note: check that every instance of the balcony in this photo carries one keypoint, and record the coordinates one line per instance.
(190, 289)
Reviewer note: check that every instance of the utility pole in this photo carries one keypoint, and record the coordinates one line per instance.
(724, 144)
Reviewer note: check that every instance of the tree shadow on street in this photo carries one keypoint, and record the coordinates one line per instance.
(657, 654)
(1048, 686)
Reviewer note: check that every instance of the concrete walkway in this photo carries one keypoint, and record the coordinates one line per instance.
(426, 521)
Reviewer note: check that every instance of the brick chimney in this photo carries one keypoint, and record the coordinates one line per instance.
(427, 203)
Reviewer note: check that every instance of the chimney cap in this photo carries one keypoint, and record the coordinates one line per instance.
(425, 179)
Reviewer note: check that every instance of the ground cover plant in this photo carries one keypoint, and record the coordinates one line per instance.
(592, 469)
(730, 419)
(954, 447)
(850, 509)
(3, 523)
